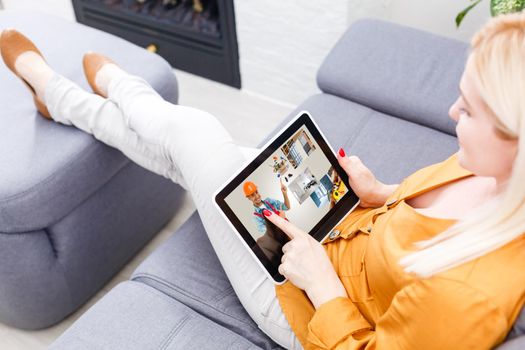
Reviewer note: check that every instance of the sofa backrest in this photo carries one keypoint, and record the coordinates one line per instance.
(419, 83)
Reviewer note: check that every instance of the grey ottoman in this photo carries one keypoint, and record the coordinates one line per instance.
(72, 210)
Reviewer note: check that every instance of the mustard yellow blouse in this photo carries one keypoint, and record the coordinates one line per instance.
(472, 306)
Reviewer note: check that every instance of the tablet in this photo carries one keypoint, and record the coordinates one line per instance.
(298, 177)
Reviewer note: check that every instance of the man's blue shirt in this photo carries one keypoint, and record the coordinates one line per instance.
(260, 221)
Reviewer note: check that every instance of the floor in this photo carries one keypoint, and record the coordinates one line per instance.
(236, 109)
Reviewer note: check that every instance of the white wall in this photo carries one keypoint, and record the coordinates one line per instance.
(282, 43)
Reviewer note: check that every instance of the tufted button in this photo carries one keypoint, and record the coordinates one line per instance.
(334, 234)
(391, 202)
(369, 229)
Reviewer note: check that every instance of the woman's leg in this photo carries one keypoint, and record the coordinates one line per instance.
(206, 156)
(184, 144)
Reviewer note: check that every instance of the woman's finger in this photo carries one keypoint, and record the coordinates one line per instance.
(281, 270)
(347, 163)
(289, 229)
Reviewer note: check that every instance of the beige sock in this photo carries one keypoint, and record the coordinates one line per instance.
(104, 76)
(35, 71)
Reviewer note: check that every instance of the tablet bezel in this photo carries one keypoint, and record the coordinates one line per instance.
(347, 203)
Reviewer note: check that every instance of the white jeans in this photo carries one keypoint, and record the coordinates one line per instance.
(188, 146)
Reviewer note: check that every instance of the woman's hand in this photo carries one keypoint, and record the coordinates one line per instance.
(306, 264)
(370, 191)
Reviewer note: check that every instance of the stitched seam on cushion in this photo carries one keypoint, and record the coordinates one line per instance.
(146, 276)
(104, 185)
(173, 332)
(125, 166)
(388, 114)
(224, 294)
(352, 99)
(357, 131)
(153, 291)
(240, 341)
(68, 165)
(72, 306)
(51, 242)
(49, 234)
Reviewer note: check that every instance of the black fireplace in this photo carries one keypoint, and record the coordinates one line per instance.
(197, 36)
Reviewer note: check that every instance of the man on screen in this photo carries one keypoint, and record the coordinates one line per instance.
(272, 239)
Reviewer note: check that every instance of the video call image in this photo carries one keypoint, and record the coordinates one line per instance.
(297, 182)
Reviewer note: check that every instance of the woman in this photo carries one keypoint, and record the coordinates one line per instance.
(433, 263)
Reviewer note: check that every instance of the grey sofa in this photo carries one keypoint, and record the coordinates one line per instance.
(72, 210)
(385, 95)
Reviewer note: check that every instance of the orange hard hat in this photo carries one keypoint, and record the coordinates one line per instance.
(249, 188)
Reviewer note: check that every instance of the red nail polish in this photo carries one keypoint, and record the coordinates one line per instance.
(342, 152)
(266, 212)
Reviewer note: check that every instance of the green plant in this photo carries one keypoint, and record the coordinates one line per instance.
(497, 7)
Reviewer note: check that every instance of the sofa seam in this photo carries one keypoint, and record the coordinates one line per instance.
(68, 165)
(154, 291)
(365, 121)
(51, 242)
(223, 294)
(173, 332)
(73, 307)
(386, 112)
(56, 260)
(147, 276)
(242, 342)
(126, 165)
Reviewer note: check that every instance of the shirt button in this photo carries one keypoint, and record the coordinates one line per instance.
(334, 234)
(391, 202)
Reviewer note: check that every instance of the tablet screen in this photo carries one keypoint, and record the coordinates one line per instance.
(297, 177)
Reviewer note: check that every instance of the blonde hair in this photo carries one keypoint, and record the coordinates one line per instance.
(498, 57)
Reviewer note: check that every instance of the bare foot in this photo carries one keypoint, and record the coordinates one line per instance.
(35, 71)
(105, 74)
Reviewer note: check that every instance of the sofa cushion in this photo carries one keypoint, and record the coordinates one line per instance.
(396, 70)
(392, 148)
(48, 169)
(187, 269)
(136, 316)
